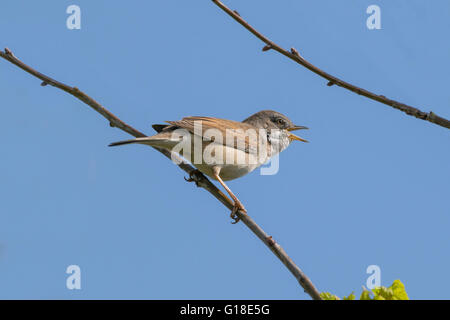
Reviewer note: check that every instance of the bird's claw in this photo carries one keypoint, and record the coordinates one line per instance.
(237, 206)
(193, 177)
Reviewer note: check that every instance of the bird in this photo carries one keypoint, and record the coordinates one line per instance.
(224, 149)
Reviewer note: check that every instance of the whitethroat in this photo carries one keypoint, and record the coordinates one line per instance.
(225, 149)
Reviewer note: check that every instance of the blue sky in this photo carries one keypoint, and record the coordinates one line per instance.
(371, 188)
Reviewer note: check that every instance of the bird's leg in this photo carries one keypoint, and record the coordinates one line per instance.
(237, 204)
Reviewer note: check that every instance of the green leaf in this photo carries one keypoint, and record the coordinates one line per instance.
(365, 295)
(383, 293)
(351, 296)
(395, 292)
(398, 289)
(328, 296)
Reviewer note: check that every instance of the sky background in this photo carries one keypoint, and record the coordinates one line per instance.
(371, 188)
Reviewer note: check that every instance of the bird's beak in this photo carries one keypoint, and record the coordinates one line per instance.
(293, 136)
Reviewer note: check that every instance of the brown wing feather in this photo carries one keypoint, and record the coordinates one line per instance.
(236, 132)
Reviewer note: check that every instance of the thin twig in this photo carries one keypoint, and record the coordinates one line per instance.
(200, 179)
(332, 80)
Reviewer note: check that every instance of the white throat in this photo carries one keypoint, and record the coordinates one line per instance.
(279, 140)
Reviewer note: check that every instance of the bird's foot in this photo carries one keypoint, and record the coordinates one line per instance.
(194, 176)
(237, 206)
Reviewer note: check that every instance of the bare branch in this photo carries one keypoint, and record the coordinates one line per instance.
(332, 80)
(198, 177)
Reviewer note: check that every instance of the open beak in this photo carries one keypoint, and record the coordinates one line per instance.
(293, 136)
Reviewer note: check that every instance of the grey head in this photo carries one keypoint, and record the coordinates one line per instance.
(269, 119)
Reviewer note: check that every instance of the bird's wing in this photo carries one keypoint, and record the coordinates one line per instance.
(159, 127)
(234, 134)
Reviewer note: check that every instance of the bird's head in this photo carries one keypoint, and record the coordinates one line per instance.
(269, 119)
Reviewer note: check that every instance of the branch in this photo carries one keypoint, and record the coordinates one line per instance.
(332, 80)
(198, 177)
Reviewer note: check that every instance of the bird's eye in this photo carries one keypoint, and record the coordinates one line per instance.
(280, 121)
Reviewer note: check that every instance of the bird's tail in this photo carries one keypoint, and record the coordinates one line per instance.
(137, 140)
